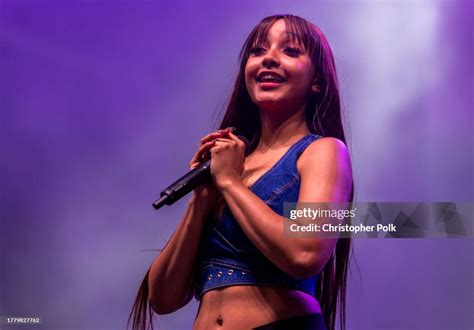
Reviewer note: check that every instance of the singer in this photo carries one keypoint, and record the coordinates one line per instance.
(229, 250)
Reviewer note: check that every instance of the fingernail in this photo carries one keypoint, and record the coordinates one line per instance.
(231, 129)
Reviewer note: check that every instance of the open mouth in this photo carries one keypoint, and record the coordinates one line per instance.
(268, 77)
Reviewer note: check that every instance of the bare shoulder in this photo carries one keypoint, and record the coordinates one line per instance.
(325, 170)
(325, 149)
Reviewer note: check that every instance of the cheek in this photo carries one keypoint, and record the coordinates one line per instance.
(247, 76)
(305, 74)
(304, 68)
(248, 83)
(301, 66)
(250, 72)
(249, 68)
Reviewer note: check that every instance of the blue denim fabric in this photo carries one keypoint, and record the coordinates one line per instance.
(227, 257)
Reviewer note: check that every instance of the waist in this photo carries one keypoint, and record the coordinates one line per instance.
(280, 299)
(247, 306)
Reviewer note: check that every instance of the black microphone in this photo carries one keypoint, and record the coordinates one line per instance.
(189, 181)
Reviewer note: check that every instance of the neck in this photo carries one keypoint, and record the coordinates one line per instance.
(280, 129)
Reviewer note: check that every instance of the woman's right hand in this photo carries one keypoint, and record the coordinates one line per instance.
(207, 194)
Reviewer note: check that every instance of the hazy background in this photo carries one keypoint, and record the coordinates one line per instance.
(103, 103)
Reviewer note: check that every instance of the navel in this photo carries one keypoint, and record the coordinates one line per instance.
(219, 320)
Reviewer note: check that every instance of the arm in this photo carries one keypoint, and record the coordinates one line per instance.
(172, 273)
(325, 172)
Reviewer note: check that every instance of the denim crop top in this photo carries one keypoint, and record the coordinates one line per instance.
(227, 257)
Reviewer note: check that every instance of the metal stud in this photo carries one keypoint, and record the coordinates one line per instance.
(210, 276)
(219, 274)
(231, 271)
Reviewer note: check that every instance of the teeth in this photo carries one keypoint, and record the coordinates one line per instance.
(270, 77)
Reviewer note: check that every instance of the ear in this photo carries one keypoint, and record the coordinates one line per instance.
(315, 87)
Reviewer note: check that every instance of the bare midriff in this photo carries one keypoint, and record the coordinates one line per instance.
(249, 306)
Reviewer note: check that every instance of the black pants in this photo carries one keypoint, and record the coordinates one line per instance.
(301, 322)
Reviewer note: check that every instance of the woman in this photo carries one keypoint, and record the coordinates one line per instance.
(230, 251)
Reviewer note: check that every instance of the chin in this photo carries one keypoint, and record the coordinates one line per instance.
(270, 105)
(269, 100)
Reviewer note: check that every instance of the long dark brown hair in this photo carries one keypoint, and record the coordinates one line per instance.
(323, 117)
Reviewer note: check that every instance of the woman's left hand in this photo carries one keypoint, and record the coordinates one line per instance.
(227, 160)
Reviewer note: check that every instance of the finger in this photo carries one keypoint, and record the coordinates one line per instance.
(205, 147)
(214, 135)
(231, 142)
(200, 153)
(223, 142)
(211, 136)
(236, 138)
(221, 132)
(216, 149)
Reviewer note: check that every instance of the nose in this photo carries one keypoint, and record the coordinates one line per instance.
(270, 60)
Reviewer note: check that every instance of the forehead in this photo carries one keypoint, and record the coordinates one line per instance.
(278, 30)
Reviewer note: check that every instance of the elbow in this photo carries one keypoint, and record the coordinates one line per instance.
(305, 265)
(161, 307)
(167, 306)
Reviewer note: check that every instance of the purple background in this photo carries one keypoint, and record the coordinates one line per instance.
(102, 105)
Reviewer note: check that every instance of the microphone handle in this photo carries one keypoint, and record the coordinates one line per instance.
(184, 184)
(189, 181)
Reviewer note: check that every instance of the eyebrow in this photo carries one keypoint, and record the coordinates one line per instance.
(289, 36)
(297, 35)
(293, 36)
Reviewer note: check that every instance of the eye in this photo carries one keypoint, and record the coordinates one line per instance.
(255, 51)
(292, 51)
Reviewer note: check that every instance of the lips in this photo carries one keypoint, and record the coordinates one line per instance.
(270, 77)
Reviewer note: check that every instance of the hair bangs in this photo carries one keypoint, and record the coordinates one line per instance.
(298, 29)
(256, 37)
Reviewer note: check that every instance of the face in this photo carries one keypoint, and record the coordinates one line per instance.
(279, 73)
